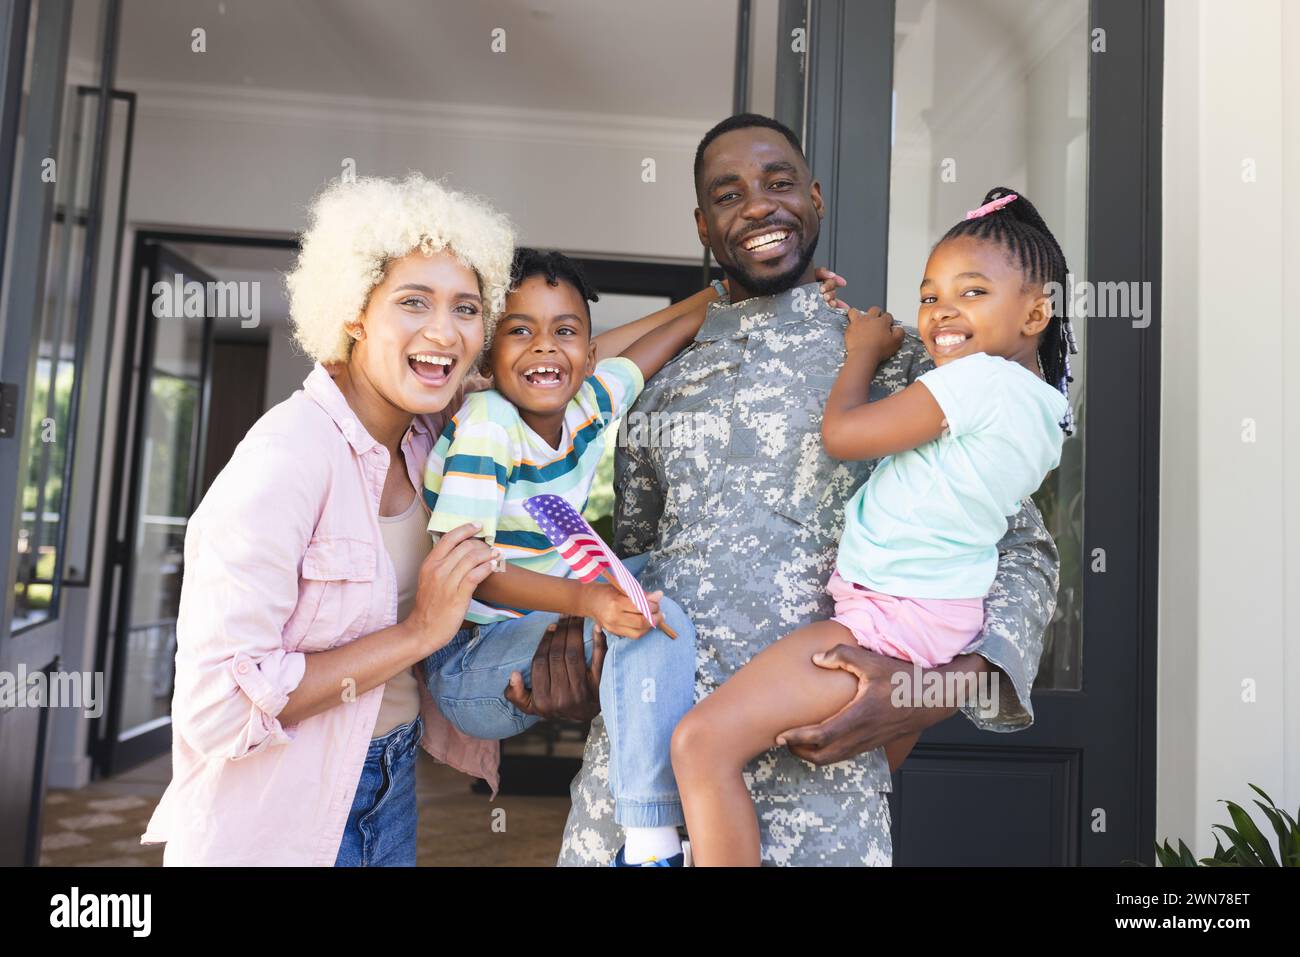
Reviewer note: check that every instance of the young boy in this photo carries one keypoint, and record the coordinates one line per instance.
(540, 431)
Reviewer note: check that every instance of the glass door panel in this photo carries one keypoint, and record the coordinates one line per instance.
(776, 61)
(995, 93)
(169, 428)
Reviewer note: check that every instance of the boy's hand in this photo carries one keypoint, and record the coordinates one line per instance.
(872, 331)
(832, 283)
(615, 613)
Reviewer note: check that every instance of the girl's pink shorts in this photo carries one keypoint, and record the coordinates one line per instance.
(927, 631)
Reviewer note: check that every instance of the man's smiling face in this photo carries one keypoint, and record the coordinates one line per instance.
(760, 211)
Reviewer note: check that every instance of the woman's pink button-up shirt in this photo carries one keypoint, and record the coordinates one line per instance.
(284, 557)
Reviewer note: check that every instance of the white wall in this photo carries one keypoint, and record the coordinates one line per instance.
(1229, 516)
(244, 160)
(286, 364)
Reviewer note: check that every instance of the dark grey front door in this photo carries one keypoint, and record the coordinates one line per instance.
(916, 108)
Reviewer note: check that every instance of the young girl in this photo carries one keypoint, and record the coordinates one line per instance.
(960, 448)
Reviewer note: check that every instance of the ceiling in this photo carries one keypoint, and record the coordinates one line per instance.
(668, 58)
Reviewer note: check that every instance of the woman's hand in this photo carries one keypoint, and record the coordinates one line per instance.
(454, 567)
(873, 332)
(832, 283)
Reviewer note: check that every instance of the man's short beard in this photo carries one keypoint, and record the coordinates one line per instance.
(777, 284)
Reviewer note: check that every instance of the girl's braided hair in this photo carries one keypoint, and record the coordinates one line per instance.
(1007, 218)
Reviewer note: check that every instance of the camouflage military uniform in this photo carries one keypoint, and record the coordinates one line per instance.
(743, 527)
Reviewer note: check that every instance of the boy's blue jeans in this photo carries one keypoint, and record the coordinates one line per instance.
(646, 685)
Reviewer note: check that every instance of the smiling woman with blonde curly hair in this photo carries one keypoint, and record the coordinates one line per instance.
(358, 228)
(310, 590)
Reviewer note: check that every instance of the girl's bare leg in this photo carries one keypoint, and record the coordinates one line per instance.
(778, 690)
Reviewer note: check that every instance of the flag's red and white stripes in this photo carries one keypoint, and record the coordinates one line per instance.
(589, 558)
(583, 550)
(584, 556)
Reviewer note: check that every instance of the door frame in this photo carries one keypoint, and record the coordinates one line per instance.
(1125, 151)
(110, 753)
(849, 119)
(28, 218)
(642, 277)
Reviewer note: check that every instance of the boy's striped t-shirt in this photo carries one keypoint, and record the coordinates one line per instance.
(488, 461)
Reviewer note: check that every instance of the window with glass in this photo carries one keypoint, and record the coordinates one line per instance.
(995, 93)
(47, 477)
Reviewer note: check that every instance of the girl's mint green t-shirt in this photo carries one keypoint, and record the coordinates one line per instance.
(927, 522)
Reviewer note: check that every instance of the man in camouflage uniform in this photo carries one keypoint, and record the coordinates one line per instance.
(743, 524)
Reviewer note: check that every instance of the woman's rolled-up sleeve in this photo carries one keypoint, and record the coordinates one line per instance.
(267, 683)
(243, 550)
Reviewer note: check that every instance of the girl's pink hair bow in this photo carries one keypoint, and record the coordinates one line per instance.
(992, 206)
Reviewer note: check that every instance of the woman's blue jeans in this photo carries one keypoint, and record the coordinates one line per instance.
(381, 825)
(646, 685)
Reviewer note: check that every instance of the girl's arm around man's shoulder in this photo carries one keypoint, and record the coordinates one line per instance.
(854, 428)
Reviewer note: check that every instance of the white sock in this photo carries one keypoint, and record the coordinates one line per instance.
(644, 843)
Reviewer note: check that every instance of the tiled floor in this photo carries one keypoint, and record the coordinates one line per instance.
(100, 825)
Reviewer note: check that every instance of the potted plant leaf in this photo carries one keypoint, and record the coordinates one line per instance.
(1248, 847)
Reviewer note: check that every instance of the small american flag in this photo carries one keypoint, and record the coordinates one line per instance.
(583, 550)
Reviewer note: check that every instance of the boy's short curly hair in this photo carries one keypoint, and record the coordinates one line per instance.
(554, 267)
(357, 228)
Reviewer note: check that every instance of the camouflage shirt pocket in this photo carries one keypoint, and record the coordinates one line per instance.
(693, 465)
(805, 472)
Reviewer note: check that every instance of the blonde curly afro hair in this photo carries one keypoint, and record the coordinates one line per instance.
(358, 227)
